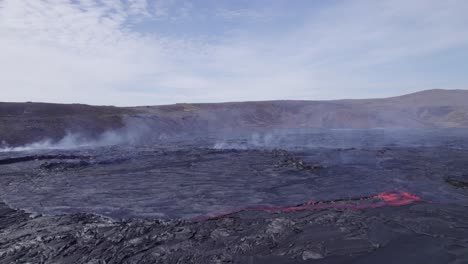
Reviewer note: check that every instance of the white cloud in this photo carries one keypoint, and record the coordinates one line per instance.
(67, 52)
(243, 14)
(91, 51)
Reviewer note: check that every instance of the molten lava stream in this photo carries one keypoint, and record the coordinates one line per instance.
(398, 198)
(393, 198)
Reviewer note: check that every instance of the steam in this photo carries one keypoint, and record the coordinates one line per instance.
(256, 140)
(135, 131)
(144, 130)
(306, 138)
(344, 138)
(68, 142)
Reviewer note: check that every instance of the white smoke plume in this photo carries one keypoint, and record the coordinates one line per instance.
(135, 131)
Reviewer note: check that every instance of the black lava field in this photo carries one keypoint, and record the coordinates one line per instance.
(342, 196)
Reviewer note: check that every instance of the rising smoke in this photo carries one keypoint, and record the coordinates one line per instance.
(146, 131)
(135, 131)
(345, 138)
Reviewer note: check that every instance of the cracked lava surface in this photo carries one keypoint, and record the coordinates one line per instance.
(196, 204)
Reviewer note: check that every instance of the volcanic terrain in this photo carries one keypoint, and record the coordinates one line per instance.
(348, 181)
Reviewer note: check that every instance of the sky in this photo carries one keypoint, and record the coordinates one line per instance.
(150, 52)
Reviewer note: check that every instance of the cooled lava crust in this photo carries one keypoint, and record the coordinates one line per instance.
(196, 204)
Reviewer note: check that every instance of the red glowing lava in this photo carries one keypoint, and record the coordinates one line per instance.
(397, 199)
(383, 199)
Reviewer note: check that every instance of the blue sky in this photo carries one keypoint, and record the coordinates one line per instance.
(146, 52)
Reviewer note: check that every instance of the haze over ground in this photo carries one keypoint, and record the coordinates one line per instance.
(23, 123)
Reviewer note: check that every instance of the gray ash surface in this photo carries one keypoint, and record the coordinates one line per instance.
(243, 201)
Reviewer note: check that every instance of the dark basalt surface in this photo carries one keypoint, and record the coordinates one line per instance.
(416, 233)
(459, 182)
(238, 201)
(189, 182)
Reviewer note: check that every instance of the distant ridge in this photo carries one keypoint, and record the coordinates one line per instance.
(27, 122)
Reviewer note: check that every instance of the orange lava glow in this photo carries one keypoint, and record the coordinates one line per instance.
(393, 198)
(398, 198)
